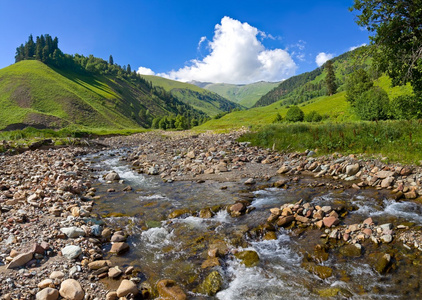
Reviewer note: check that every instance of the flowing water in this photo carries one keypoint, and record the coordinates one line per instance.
(176, 248)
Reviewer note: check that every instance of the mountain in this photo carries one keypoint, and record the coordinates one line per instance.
(306, 86)
(201, 99)
(244, 94)
(35, 94)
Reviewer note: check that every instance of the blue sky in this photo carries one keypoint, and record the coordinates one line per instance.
(242, 41)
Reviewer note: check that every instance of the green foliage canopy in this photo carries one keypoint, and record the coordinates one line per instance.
(330, 79)
(397, 29)
(295, 114)
(356, 84)
(373, 105)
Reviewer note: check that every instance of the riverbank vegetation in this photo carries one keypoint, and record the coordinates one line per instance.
(393, 140)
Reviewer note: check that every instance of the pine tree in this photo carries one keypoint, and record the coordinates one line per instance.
(110, 60)
(330, 80)
(128, 69)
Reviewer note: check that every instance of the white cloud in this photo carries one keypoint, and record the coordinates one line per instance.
(145, 71)
(237, 56)
(355, 47)
(203, 39)
(322, 57)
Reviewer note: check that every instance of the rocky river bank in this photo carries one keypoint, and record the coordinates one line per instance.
(53, 246)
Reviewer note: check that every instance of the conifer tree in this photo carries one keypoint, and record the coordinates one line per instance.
(128, 69)
(330, 80)
(110, 60)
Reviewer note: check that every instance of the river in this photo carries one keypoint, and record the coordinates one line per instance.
(176, 248)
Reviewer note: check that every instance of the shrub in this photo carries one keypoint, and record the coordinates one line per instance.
(406, 107)
(295, 114)
(313, 116)
(373, 105)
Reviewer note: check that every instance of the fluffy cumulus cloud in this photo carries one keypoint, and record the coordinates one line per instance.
(237, 55)
(145, 71)
(322, 57)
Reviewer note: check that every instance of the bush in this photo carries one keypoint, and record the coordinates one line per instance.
(295, 114)
(313, 116)
(373, 105)
(406, 107)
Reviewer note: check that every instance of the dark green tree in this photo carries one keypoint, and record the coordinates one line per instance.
(128, 69)
(294, 114)
(330, 79)
(397, 36)
(278, 118)
(373, 105)
(357, 83)
(110, 60)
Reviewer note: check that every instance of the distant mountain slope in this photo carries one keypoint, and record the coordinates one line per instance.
(206, 101)
(300, 88)
(243, 94)
(34, 94)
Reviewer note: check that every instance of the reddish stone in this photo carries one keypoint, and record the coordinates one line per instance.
(368, 221)
(285, 221)
(330, 221)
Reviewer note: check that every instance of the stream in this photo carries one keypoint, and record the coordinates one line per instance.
(176, 248)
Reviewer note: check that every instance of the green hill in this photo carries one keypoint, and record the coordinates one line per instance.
(244, 94)
(34, 94)
(206, 101)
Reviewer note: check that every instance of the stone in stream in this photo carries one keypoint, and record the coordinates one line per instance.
(118, 237)
(169, 289)
(248, 257)
(350, 250)
(250, 181)
(322, 272)
(210, 262)
(127, 287)
(114, 272)
(119, 248)
(380, 262)
(285, 221)
(71, 289)
(98, 264)
(73, 232)
(352, 169)
(47, 294)
(330, 221)
(211, 284)
(112, 176)
(237, 209)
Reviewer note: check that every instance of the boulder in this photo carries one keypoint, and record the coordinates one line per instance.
(384, 174)
(119, 248)
(285, 221)
(47, 294)
(352, 169)
(330, 221)
(127, 287)
(56, 275)
(248, 257)
(112, 176)
(283, 169)
(46, 283)
(237, 209)
(351, 251)
(168, 289)
(322, 272)
(98, 264)
(211, 284)
(114, 272)
(71, 289)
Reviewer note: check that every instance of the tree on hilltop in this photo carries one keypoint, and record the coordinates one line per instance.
(330, 80)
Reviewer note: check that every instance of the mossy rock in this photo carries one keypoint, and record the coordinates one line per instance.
(333, 292)
(322, 272)
(249, 258)
(178, 213)
(211, 284)
(270, 235)
(350, 251)
(153, 224)
(380, 262)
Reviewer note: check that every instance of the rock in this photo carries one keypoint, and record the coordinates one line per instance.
(334, 293)
(352, 169)
(20, 260)
(129, 270)
(302, 219)
(106, 233)
(385, 183)
(250, 181)
(411, 194)
(127, 287)
(283, 169)
(386, 238)
(117, 237)
(330, 221)
(210, 262)
(46, 283)
(368, 221)
(269, 235)
(56, 275)
(350, 250)
(169, 290)
(285, 221)
(73, 232)
(211, 284)
(280, 183)
(178, 213)
(71, 251)
(112, 296)
(380, 262)
(322, 272)
(71, 289)
(191, 154)
(205, 213)
(112, 176)
(384, 174)
(248, 257)
(47, 294)
(153, 171)
(98, 264)
(237, 209)
(114, 272)
(119, 248)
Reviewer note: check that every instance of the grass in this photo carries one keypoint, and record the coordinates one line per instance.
(396, 141)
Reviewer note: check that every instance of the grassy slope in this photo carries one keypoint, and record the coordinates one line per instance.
(31, 92)
(199, 98)
(335, 107)
(246, 95)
